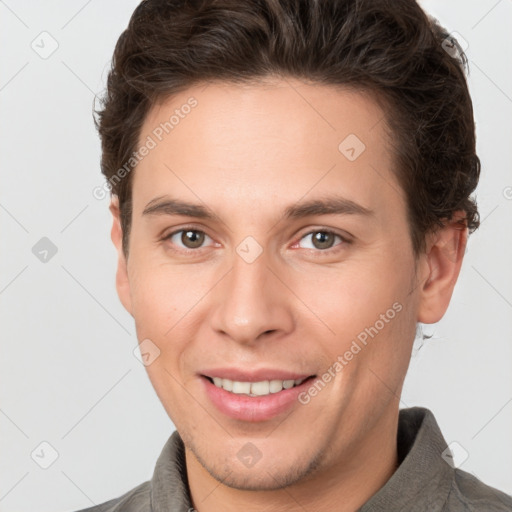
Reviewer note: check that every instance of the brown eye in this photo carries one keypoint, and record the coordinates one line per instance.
(322, 240)
(187, 238)
(192, 239)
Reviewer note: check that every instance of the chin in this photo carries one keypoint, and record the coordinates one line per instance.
(263, 476)
(260, 480)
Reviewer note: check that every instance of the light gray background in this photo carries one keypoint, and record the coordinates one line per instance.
(68, 373)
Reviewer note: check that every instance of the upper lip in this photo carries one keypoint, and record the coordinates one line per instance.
(258, 375)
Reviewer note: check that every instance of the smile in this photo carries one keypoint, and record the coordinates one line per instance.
(254, 400)
(261, 388)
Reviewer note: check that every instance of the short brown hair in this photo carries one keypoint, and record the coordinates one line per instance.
(388, 47)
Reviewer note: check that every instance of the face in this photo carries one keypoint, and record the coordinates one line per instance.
(270, 247)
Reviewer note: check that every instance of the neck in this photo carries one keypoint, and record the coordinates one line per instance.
(337, 486)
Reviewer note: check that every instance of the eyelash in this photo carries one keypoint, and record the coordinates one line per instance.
(319, 252)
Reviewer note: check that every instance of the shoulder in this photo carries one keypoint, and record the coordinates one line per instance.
(467, 493)
(136, 500)
(166, 490)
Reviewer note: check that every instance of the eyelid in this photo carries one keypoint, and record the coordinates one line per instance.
(347, 237)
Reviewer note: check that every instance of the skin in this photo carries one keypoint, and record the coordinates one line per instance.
(247, 153)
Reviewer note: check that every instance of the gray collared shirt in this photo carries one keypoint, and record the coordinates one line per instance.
(424, 481)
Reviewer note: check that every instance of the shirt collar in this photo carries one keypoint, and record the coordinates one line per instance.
(169, 485)
(424, 477)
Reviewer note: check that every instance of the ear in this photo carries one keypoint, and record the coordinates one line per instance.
(441, 267)
(122, 281)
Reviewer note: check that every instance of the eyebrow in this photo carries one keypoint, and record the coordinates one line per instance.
(331, 205)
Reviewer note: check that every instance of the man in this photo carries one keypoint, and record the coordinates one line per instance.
(291, 188)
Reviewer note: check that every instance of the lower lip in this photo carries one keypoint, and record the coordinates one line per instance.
(253, 408)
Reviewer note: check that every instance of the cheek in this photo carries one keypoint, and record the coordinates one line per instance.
(159, 295)
(364, 312)
(162, 300)
(348, 300)
(167, 303)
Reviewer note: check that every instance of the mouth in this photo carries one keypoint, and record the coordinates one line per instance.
(260, 388)
(255, 400)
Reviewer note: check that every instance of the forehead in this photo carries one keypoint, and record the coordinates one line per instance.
(280, 139)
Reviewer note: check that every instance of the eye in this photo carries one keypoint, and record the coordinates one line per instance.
(322, 239)
(189, 238)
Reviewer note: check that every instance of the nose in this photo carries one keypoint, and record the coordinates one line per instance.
(252, 302)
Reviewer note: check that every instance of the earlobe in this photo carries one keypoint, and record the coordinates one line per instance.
(122, 280)
(443, 261)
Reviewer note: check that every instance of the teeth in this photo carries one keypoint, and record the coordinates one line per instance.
(275, 386)
(261, 388)
(241, 387)
(287, 384)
